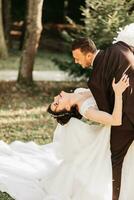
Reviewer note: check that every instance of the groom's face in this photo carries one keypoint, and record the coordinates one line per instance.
(83, 59)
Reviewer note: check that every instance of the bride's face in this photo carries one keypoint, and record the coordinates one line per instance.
(61, 102)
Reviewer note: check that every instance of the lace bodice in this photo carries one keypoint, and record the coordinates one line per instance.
(89, 102)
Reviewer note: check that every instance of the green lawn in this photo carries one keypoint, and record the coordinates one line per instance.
(23, 113)
(43, 60)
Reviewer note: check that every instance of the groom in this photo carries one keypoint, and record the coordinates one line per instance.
(107, 64)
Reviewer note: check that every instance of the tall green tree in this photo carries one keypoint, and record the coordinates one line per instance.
(102, 19)
(3, 47)
(32, 37)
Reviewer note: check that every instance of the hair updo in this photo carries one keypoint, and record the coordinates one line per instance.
(64, 116)
(85, 44)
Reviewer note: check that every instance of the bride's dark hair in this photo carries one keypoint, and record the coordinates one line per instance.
(64, 116)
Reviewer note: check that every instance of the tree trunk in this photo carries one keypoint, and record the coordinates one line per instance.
(33, 32)
(7, 21)
(3, 47)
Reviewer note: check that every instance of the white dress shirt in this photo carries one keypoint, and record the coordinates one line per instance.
(94, 56)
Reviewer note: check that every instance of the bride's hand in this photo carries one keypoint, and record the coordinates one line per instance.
(121, 85)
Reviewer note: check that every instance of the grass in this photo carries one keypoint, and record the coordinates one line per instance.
(43, 60)
(23, 113)
(5, 196)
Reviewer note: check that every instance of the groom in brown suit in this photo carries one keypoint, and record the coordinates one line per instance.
(112, 62)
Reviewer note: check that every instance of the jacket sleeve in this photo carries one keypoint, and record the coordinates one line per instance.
(127, 66)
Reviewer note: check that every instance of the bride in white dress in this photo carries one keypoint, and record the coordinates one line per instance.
(76, 165)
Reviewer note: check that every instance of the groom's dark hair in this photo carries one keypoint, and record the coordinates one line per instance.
(84, 44)
(64, 116)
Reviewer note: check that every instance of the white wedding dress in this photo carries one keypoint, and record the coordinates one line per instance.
(75, 166)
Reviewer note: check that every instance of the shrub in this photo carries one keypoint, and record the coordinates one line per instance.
(101, 21)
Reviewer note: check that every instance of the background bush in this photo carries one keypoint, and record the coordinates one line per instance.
(101, 21)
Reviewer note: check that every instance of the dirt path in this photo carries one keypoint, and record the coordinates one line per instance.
(7, 75)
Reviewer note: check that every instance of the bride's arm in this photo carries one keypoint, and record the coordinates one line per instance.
(114, 119)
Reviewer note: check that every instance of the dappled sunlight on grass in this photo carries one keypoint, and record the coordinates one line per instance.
(34, 124)
(26, 124)
(23, 113)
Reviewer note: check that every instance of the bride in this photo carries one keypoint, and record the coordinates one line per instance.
(77, 164)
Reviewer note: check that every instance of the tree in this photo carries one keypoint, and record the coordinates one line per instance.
(32, 36)
(3, 47)
(102, 19)
(7, 20)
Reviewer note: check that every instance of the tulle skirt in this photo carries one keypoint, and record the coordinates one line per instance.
(75, 166)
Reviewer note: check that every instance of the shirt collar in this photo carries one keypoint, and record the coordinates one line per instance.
(94, 56)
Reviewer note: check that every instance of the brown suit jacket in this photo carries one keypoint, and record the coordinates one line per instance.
(110, 63)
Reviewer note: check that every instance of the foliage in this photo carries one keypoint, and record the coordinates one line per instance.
(102, 19)
(73, 69)
(5, 196)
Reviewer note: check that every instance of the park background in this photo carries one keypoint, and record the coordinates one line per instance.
(36, 61)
